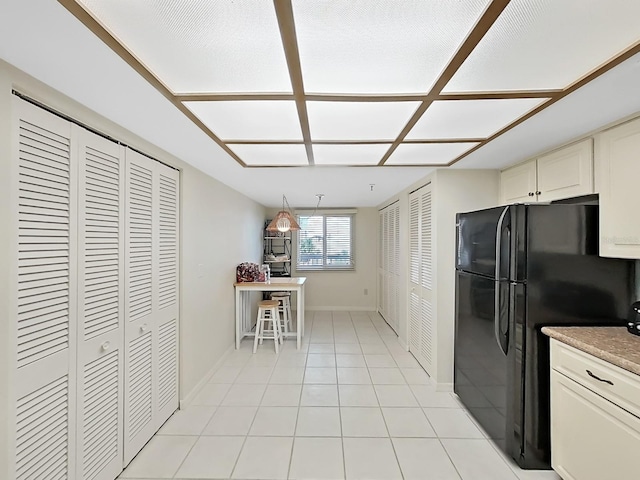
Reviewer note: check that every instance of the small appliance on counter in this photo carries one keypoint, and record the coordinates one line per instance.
(633, 319)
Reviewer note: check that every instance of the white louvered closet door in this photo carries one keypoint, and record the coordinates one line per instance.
(139, 319)
(380, 255)
(151, 299)
(167, 294)
(414, 273)
(395, 292)
(389, 264)
(427, 343)
(101, 307)
(421, 318)
(45, 319)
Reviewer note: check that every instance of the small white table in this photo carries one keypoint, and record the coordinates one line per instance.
(244, 315)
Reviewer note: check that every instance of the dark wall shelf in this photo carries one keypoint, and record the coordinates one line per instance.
(277, 252)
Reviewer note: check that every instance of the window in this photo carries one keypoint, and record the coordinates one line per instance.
(325, 242)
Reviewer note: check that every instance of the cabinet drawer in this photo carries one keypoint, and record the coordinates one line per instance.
(616, 385)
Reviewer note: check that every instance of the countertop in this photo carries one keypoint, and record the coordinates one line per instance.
(611, 344)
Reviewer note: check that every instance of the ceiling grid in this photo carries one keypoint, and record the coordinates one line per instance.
(363, 82)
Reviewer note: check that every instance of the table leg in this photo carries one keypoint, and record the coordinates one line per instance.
(300, 315)
(303, 307)
(238, 318)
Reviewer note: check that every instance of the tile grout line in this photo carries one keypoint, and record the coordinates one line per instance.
(344, 457)
(295, 428)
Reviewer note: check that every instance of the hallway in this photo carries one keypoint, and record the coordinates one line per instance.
(350, 404)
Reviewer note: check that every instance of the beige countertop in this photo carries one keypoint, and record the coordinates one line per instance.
(611, 344)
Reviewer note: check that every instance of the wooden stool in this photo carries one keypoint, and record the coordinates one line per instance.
(268, 312)
(284, 308)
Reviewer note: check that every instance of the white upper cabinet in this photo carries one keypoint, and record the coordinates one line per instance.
(518, 184)
(565, 173)
(618, 170)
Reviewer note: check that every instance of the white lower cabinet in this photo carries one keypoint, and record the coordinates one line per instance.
(595, 429)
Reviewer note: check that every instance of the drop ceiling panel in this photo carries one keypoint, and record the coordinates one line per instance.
(548, 44)
(358, 120)
(201, 46)
(271, 155)
(250, 120)
(427, 153)
(349, 154)
(361, 46)
(469, 118)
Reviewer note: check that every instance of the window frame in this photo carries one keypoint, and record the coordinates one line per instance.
(324, 267)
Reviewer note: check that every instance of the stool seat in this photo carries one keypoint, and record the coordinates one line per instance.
(281, 294)
(268, 303)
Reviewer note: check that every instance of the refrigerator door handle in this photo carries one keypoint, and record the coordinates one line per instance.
(496, 320)
(499, 242)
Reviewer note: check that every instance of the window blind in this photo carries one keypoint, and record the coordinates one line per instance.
(325, 242)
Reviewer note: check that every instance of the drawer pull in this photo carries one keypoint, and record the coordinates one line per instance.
(598, 378)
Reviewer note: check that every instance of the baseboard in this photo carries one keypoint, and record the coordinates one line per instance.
(403, 343)
(340, 309)
(443, 387)
(186, 401)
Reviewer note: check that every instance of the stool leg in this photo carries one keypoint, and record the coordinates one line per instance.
(258, 327)
(275, 322)
(287, 314)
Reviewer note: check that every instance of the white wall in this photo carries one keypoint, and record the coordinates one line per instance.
(455, 191)
(345, 290)
(220, 228)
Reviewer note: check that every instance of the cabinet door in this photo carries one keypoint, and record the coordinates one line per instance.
(618, 170)
(591, 438)
(566, 173)
(518, 184)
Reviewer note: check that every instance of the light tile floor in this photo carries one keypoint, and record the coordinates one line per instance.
(351, 404)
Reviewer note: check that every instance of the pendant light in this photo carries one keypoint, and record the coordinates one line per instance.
(284, 220)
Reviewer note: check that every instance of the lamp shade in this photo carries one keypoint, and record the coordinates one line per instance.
(283, 222)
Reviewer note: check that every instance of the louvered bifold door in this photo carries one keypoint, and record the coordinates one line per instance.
(100, 307)
(414, 273)
(151, 298)
(140, 321)
(44, 323)
(427, 329)
(396, 273)
(380, 269)
(166, 375)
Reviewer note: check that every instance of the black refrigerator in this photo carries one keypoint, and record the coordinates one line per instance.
(519, 268)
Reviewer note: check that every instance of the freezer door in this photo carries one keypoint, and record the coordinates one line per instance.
(479, 364)
(476, 241)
